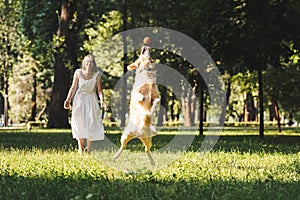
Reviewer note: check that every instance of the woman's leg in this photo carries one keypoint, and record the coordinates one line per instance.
(80, 145)
(88, 145)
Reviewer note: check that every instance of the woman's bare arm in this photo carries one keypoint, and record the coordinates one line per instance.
(71, 91)
(100, 92)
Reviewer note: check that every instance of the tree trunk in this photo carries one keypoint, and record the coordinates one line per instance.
(250, 110)
(193, 109)
(223, 112)
(5, 110)
(33, 98)
(204, 106)
(277, 117)
(201, 112)
(172, 113)
(163, 108)
(274, 114)
(5, 95)
(188, 105)
(185, 106)
(39, 117)
(124, 108)
(291, 122)
(261, 104)
(1, 103)
(58, 116)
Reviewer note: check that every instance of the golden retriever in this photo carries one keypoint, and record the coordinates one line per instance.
(143, 102)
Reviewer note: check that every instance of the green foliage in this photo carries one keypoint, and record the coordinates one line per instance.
(240, 35)
(44, 164)
(20, 88)
(282, 83)
(108, 50)
(10, 42)
(39, 22)
(241, 84)
(18, 64)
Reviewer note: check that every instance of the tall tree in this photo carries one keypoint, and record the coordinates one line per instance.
(39, 23)
(65, 56)
(263, 41)
(9, 49)
(59, 42)
(73, 20)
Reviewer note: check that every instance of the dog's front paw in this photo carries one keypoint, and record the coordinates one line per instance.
(156, 101)
(155, 105)
(138, 97)
(132, 66)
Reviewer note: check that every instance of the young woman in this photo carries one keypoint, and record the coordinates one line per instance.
(86, 121)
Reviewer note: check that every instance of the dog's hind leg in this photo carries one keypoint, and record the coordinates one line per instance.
(124, 140)
(148, 143)
(150, 158)
(118, 153)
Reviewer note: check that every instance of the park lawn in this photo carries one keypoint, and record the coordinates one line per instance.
(44, 164)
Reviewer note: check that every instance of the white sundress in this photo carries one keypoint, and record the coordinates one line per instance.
(86, 120)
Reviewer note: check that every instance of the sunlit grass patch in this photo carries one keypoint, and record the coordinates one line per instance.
(44, 164)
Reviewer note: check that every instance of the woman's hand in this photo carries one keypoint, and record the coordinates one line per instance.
(67, 105)
(103, 105)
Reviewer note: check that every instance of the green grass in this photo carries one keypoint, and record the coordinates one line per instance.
(44, 164)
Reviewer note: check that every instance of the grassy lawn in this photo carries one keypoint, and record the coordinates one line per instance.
(44, 164)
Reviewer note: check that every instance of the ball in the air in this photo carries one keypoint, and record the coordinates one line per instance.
(147, 40)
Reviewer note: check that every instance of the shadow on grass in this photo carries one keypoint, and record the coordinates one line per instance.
(62, 140)
(255, 144)
(23, 139)
(142, 186)
(177, 185)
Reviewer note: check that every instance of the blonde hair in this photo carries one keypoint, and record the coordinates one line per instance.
(85, 59)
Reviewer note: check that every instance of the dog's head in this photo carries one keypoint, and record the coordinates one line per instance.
(144, 61)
